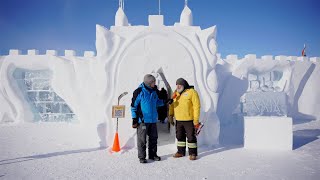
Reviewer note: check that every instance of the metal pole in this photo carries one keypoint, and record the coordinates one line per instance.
(117, 125)
(159, 7)
(121, 95)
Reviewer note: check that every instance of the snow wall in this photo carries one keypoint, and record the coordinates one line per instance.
(83, 89)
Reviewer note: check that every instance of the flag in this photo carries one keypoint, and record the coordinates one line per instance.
(303, 53)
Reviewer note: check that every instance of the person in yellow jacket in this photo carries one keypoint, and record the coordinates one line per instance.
(185, 108)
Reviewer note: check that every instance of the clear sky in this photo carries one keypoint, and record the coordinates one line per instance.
(262, 27)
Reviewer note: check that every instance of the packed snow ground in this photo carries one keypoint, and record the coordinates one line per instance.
(48, 151)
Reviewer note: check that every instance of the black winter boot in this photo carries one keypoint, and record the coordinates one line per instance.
(155, 158)
(142, 160)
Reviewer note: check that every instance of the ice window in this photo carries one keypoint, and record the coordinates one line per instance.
(46, 105)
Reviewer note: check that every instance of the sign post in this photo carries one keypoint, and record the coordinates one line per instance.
(118, 112)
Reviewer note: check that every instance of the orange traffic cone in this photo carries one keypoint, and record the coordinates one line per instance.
(116, 144)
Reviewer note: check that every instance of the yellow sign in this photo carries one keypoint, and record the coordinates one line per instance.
(118, 111)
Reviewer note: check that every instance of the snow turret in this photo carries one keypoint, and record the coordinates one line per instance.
(186, 18)
(121, 18)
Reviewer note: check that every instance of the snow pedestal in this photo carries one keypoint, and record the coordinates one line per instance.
(268, 133)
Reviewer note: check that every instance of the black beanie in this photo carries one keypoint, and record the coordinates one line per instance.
(182, 82)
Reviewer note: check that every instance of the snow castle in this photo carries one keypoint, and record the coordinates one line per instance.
(82, 89)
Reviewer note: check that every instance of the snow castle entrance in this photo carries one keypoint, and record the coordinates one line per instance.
(153, 54)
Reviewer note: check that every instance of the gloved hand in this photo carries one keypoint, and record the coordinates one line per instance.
(174, 94)
(197, 126)
(135, 122)
(170, 120)
(169, 101)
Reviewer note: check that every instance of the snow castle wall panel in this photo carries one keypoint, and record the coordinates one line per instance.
(315, 59)
(51, 52)
(268, 133)
(69, 53)
(250, 56)
(14, 52)
(88, 54)
(267, 57)
(33, 52)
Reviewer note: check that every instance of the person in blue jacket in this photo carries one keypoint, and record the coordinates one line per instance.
(144, 115)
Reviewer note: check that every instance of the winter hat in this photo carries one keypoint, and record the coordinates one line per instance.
(149, 79)
(182, 82)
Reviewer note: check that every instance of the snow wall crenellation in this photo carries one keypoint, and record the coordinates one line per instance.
(231, 58)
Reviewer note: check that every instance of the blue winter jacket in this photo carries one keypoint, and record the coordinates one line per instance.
(144, 104)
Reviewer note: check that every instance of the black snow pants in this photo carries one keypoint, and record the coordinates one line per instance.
(143, 130)
(186, 129)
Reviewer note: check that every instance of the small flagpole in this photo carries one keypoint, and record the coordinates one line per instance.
(304, 50)
(159, 7)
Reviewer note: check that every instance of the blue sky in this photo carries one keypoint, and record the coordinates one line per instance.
(262, 27)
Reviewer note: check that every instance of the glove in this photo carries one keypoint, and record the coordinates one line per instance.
(174, 95)
(170, 120)
(169, 101)
(135, 123)
(197, 126)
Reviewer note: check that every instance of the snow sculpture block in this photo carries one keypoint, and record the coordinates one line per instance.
(315, 59)
(70, 53)
(281, 58)
(265, 104)
(293, 58)
(250, 56)
(254, 85)
(88, 54)
(51, 52)
(33, 52)
(14, 52)
(267, 57)
(268, 133)
(301, 58)
(155, 20)
(232, 57)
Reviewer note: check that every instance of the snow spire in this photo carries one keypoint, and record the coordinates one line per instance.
(186, 18)
(121, 18)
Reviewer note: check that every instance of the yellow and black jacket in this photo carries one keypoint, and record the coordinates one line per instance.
(186, 106)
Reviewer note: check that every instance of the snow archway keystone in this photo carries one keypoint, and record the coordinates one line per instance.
(130, 52)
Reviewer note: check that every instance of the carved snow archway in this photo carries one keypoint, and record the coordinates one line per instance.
(148, 52)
